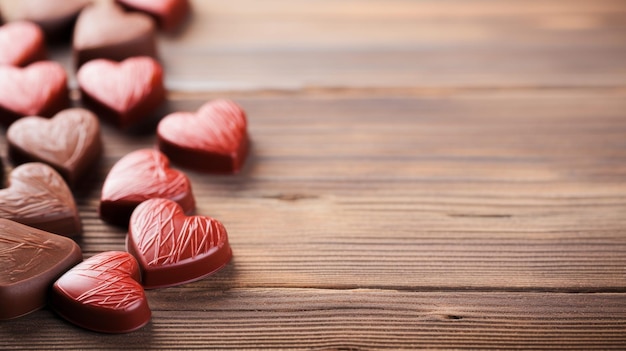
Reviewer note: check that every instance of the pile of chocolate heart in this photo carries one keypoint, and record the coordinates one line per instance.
(54, 147)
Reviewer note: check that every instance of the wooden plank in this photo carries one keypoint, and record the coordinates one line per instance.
(395, 43)
(190, 317)
(523, 191)
(481, 44)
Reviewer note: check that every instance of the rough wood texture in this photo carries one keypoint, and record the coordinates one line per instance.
(423, 174)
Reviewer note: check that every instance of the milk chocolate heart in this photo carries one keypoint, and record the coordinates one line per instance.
(173, 248)
(21, 43)
(102, 294)
(214, 139)
(69, 142)
(124, 93)
(30, 261)
(104, 30)
(55, 17)
(37, 196)
(39, 89)
(139, 176)
(169, 14)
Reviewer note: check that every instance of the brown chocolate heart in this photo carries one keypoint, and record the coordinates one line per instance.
(139, 176)
(173, 248)
(37, 196)
(104, 30)
(103, 294)
(30, 261)
(69, 142)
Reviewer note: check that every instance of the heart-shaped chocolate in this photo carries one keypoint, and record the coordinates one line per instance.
(69, 142)
(214, 139)
(37, 196)
(172, 248)
(39, 89)
(104, 30)
(169, 14)
(125, 92)
(103, 293)
(30, 261)
(139, 176)
(21, 43)
(56, 18)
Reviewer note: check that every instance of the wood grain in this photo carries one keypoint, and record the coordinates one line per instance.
(423, 175)
(481, 192)
(242, 46)
(302, 319)
(398, 43)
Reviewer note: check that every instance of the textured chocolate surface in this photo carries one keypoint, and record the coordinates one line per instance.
(173, 248)
(139, 176)
(104, 30)
(21, 43)
(39, 89)
(169, 14)
(37, 196)
(69, 142)
(30, 261)
(122, 93)
(55, 17)
(103, 293)
(214, 139)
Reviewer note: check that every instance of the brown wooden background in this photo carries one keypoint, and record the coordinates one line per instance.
(424, 174)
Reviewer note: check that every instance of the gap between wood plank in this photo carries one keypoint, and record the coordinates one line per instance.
(343, 92)
(221, 286)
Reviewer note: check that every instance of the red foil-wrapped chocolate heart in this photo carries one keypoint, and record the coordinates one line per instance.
(139, 176)
(123, 93)
(213, 140)
(39, 89)
(103, 293)
(172, 248)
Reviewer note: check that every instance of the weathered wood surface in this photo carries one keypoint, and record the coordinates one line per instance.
(424, 174)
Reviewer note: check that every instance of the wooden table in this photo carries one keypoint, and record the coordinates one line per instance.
(424, 174)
